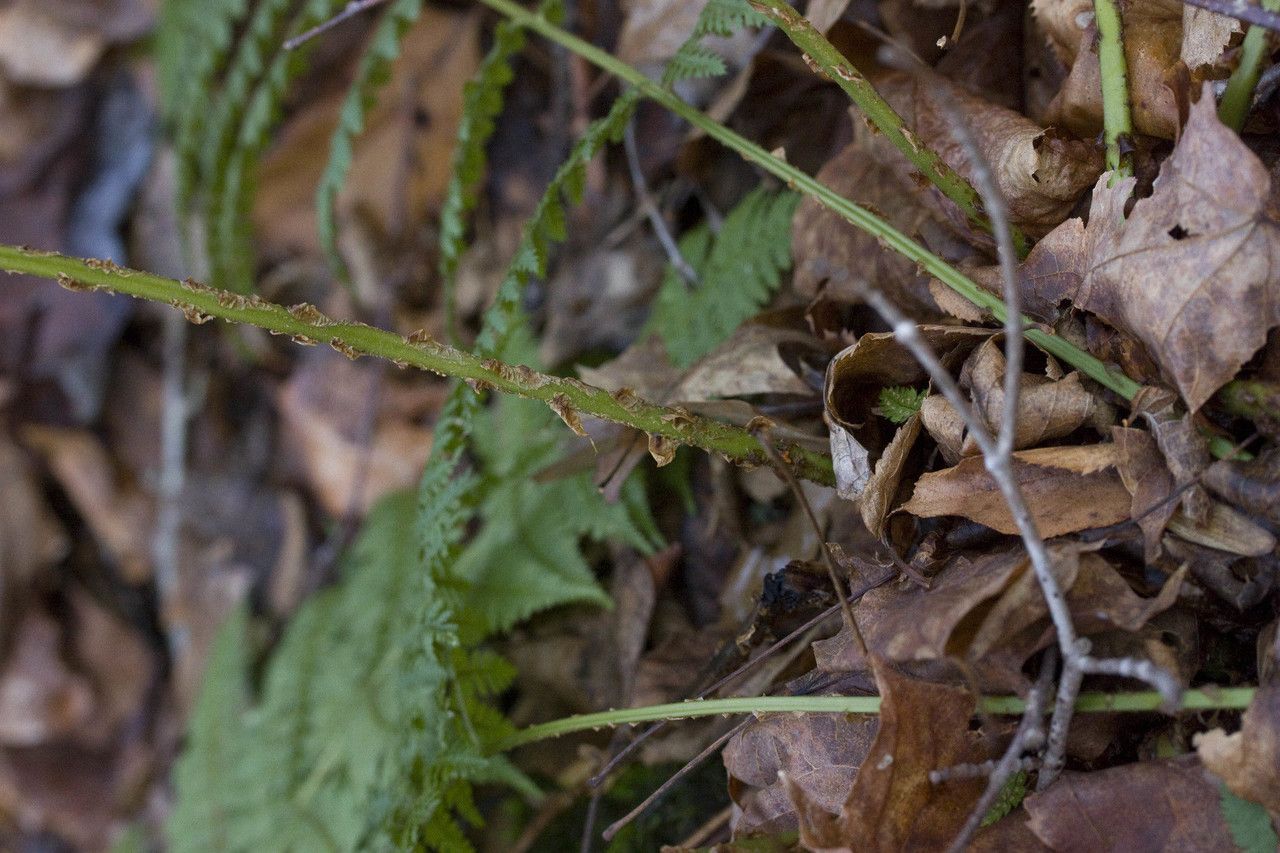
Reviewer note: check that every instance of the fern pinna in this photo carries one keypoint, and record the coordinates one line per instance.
(372, 720)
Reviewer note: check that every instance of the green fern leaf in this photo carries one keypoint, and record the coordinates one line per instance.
(725, 17)
(526, 557)
(1249, 823)
(193, 39)
(899, 403)
(374, 71)
(205, 774)
(738, 271)
(693, 61)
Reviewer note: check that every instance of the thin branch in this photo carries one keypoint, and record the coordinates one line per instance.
(1238, 97)
(1028, 738)
(1241, 10)
(1117, 119)
(353, 8)
(833, 574)
(656, 220)
(307, 325)
(823, 57)
(692, 764)
(1226, 698)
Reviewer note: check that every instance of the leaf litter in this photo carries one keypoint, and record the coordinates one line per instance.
(677, 577)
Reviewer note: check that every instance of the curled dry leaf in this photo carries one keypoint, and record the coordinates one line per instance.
(1046, 409)
(1150, 485)
(820, 754)
(853, 383)
(1253, 486)
(1041, 172)
(882, 485)
(1224, 529)
(892, 804)
(1066, 489)
(1154, 805)
(1190, 273)
(990, 613)
(40, 697)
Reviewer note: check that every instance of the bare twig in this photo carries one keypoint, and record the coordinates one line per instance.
(656, 220)
(1241, 10)
(784, 471)
(714, 747)
(1028, 738)
(353, 8)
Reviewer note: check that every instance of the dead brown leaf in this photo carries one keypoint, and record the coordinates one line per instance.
(1047, 409)
(1066, 489)
(1143, 472)
(820, 754)
(321, 407)
(1249, 760)
(40, 697)
(882, 486)
(1153, 47)
(893, 805)
(1154, 805)
(401, 165)
(1041, 172)
(1189, 272)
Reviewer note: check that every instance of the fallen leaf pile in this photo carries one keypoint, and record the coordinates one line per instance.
(117, 565)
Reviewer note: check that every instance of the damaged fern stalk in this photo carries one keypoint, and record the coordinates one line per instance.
(306, 325)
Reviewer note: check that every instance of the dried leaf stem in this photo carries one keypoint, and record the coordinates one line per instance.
(824, 58)
(1233, 109)
(1228, 698)
(305, 324)
(1117, 118)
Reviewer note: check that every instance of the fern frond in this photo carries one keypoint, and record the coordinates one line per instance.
(193, 39)
(693, 61)
(205, 775)
(547, 224)
(373, 72)
(482, 104)
(718, 18)
(725, 17)
(738, 271)
(247, 109)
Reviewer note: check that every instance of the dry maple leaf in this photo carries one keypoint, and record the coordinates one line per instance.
(1191, 273)
(893, 805)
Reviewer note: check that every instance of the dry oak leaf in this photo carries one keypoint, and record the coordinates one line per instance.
(1192, 272)
(1249, 760)
(1041, 172)
(1150, 806)
(1066, 489)
(893, 805)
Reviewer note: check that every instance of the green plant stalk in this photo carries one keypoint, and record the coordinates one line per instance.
(305, 324)
(1230, 698)
(823, 57)
(1117, 118)
(798, 180)
(1234, 107)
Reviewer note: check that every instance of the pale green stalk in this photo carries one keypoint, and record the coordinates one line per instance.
(1117, 118)
(1229, 698)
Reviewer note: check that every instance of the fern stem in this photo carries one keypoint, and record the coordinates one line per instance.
(1230, 698)
(305, 324)
(801, 182)
(1117, 118)
(825, 58)
(1238, 97)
